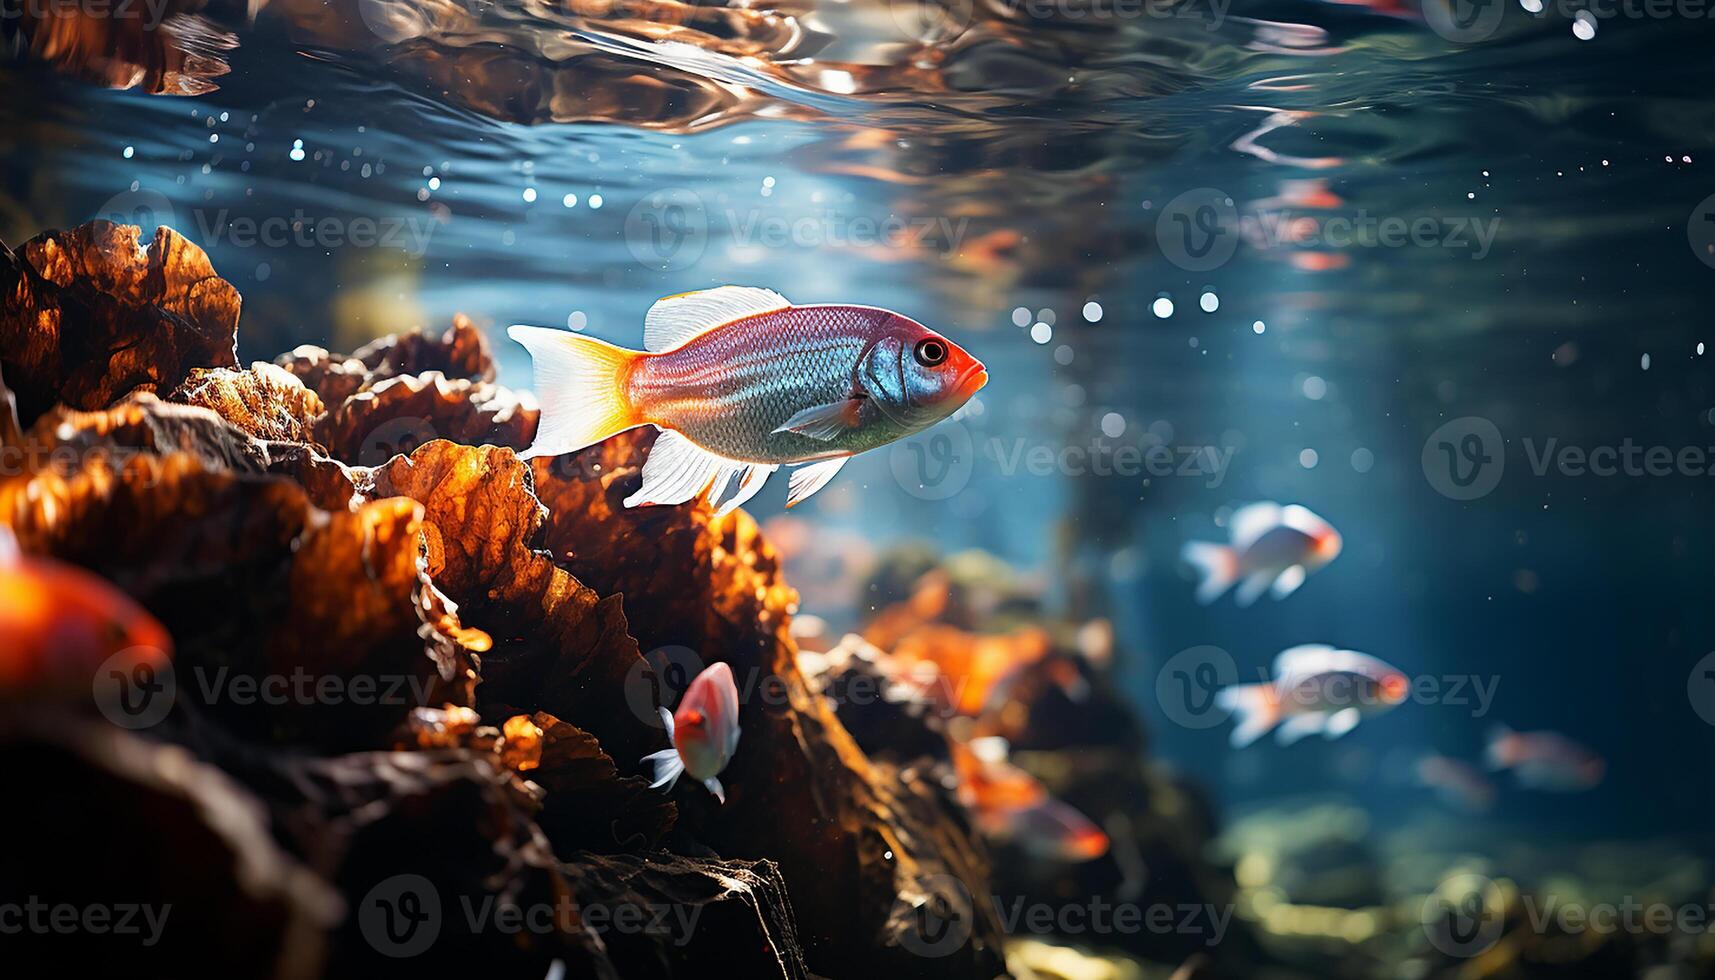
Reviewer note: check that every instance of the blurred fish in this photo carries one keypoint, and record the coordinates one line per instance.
(1458, 783)
(58, 623)
(1009, 804)
(741, 382)
(1316, 688)
(704, 732)
(1545, 760)
(1271, 546)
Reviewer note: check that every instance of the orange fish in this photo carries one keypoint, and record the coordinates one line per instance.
(58, 623)
(1009, 804)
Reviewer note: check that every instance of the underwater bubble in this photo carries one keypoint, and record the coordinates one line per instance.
(1700, 348)
(297, 153)
(263, 271)
(595, 202)
(529, 195)
(508, 237)
(1308, 459)
(1046, 316)
(570, 200)
(1209, 302)
(1162, 307)
(1021, 317)
(1162, 431)
(1042, 333)
(1093, 311)
(1314, 388)
(434, 183)
(1363, 460)
(1258, 327)
(1073, 394)
(1584, 26)
(578, 320)
(1531, 6)
(1113, 425)
(1062, 355)
(1644, 362)
(129, 151)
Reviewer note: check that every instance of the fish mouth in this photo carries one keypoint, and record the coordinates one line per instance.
(971, 381)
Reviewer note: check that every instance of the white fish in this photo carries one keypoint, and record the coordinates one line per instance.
(704, 732)
(1316, 688)
(1272, 546)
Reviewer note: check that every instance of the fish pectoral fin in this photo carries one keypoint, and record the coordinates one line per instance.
(713, 785)
(673, 320)
(810, 477)
(1340, 722)
(679, 470)
(743, 486)
(1288, 582)
(825, 422)
(1299, 726)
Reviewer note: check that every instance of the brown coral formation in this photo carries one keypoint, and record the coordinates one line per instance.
(422, 677)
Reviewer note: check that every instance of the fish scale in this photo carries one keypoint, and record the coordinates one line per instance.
(730, 388)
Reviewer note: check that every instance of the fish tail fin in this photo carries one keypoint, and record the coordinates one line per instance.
(580, 383)
(668, 767)
(1217, 565)
(1256, 706)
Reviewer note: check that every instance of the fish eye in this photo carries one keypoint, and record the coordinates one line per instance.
(930, 352)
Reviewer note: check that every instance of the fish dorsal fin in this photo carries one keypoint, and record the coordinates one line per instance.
(1252, 521)
(676, 319)
(1307, 660)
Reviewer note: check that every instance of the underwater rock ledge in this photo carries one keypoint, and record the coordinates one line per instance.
(246, 510)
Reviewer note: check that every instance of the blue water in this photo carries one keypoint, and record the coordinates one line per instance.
(1032, 177)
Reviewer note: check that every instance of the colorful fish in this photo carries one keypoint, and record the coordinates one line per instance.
(1009, 804)
(704, 732)
(58, 623)
(1458, 783)
(1316, 688)
(740, 382)
(1273, 549)
(1545, 760)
